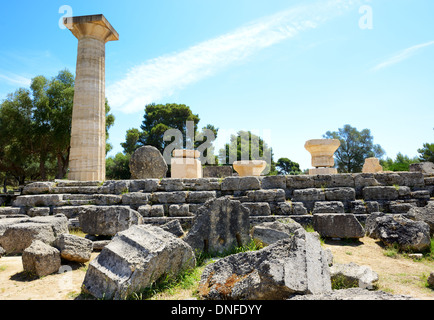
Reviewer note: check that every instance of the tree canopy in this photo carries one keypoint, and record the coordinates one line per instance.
(287, 167)
(247, 146)
(355, 147)
(35, 129)
(159, 118)
(401, 163)
(426, 153)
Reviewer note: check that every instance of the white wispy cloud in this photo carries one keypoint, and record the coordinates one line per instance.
(15, 79)
(401, 56)
(160, 77)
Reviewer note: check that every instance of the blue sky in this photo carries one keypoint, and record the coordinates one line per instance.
(287, 70)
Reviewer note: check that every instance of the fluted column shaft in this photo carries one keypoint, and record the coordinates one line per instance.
(88, 135)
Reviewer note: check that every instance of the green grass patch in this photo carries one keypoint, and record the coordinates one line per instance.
(341, 282)
(169, 285)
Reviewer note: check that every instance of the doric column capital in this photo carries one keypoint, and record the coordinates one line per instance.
(93, 26)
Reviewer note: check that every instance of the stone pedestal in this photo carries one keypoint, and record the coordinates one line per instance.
(88, 135)
(249, 168)
(322, 151)
(185, 164)
(372, 165)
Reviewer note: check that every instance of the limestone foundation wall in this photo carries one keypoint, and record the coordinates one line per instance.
(268, 198)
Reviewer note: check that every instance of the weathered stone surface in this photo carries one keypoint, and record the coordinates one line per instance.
(107, 199)
(169, 197)
(200, 196)
(147, 163)
(380, 193)
(2, 252)
(424, 167)
(421, 194)
(425, 214)
(74, 248)
(338, 225)
(258, 208)
(88, 130)
(171, 184)
(108, 220)
(395, 228)
(240, 183)
(38, 212)
(220, 225)
(98, 245)
(298, 208)
(328, 207)
(296, 265)
(70, 212)
(41, 259)
(135, 199)
(185, 167)
(117, 187)
(300, 182)
(151, 211)
(17, 234)
(38, 188)
(358, 207)
(309, 194)
(340, 194)
(333, 180)
(269, 195)
(9, 211)
(174, 227)
(308, 197)
(271, 232)
(144, 185)
(400, 207)
(179, 210)
(362, 180)
(273, 182)
(134, 259)
(217, 171)
(372, 206)
(354, 275)
(372, 165)
(281, 208)
(202, 184)
(352, 294)
(45, 200)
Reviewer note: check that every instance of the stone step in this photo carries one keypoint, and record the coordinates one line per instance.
(75, 202)
(78, 197)
(71, 183)
(77, 189)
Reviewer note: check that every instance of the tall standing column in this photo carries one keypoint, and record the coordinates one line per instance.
(88, 135)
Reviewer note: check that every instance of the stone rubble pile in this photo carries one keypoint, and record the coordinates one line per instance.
(138, 227)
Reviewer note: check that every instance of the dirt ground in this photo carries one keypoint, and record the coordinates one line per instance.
(397, 275)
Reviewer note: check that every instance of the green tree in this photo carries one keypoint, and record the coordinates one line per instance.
(255, 148)
(117, 167)
(132, 139)
(401, 163)
(355, 147)
(287, 167)
(427, 152)
(109, 122)
(160, 118)
(16, 136)
(35, 129)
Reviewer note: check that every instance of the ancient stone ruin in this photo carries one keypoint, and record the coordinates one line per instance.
(88, 136)
(128, 218)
